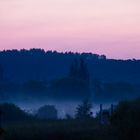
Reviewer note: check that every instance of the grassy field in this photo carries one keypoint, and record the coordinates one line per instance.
(57, 130)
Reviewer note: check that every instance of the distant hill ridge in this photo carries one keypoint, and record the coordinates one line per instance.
(37, 64)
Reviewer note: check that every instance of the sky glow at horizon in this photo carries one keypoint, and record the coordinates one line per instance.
(110, 27)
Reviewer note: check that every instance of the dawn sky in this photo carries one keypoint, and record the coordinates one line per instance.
(110, 27)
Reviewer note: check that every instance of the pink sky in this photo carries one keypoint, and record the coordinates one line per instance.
(110, 27)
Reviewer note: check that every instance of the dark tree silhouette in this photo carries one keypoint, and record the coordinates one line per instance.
(83, 71)
(74, 69)
(47, 112)
(84, 110)
(79, 70)
(11, 112)
(126, 120)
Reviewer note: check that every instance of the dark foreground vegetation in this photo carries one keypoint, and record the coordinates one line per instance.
(124, 125)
